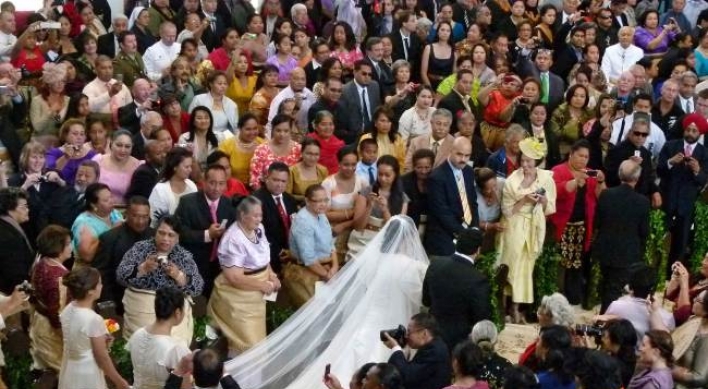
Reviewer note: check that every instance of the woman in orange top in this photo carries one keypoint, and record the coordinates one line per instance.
(498, 98)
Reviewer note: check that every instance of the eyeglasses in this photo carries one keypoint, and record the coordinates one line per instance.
(366, 74)
(605, 17)
(641, 134)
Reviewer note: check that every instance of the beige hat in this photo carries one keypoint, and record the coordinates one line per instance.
(532, 148)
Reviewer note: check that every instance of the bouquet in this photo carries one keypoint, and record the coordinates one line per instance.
(112, 326)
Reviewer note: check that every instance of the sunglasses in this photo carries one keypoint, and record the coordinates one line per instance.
(641, 134)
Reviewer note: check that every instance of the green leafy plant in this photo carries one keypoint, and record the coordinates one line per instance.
(121, 358)
(17, 371)
(485, 263)
(545, 272)
(700, 239)
(656, 254)
(276, 315)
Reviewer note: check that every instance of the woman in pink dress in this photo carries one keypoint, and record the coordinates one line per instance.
(344, 47)
(117, 167)
(279, 148)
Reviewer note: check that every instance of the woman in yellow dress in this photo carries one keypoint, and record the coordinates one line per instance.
(529, 195)
(242, 81)
(306, 172)
(385, 131)
(240, 148)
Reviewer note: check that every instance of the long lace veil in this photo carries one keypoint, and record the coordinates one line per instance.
(379, 289)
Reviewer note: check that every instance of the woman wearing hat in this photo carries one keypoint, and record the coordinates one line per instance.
(529, 196)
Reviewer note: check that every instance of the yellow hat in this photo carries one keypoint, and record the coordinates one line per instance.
(532, 148)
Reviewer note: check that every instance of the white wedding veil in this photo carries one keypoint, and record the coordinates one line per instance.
(379, 289)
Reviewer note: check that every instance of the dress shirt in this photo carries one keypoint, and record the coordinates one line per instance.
(467, 257)
(7, 42)
(310, 237)
(100, 100)
(308, 98)
(692, 9)
(654, 143)
(362, 170)
(215, 204)
(685, 104)
(159, 57)
(618, 59)
(403, 40)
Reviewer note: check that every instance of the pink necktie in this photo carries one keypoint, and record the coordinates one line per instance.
(687, 151)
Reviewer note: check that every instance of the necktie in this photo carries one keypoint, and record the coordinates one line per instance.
(215, 244)
(687, 151)
(689, 106)
(436, 144)
(378, 70)
(364, 109)
(466, 212)
(372, 180)
(544, 87)
(467, 20)
(405, 47)
(283, 216)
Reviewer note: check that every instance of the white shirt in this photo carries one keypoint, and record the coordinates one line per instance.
(692, 9)
(159, 57)
(618, 60)
(100, 100)
(308, 98)
(7, 42)
(685, 105)
(654, 143)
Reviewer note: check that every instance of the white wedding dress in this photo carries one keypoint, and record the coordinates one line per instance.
(340, 325)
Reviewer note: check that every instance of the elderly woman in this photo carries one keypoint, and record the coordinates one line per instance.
(401, 95)
(330, 144)
(240, 148)
(74, 150)
(238, 302)
(117, 167)
(279, 148)
(154, 264)
(99, 216)
(223, 109)
(484, 334)
(498, 99)
(174, 183)
(153, 350)
(53, 249)
(651, 37)
(655, 356)
(569, 117)
(16, 251)
(573, 220)
(312, 246)
(553, 310)
(529, 196)
(48, 110)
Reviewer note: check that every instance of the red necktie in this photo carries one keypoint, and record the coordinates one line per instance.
(215, 245)
(283, 215)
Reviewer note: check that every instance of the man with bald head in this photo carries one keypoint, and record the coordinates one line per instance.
(619, 57)
(452, 206)
(129, 116)
(159, 56)
(296, 90)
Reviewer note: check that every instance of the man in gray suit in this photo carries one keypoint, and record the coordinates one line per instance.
(362, 96)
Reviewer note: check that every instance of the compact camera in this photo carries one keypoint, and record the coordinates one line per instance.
(26, 287)
(162, 260)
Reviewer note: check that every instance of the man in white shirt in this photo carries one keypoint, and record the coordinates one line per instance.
(622, 126)
(7, 35)
(106, 94)
(159, 56)
(296, 90)
(621, 56)
(692, 9)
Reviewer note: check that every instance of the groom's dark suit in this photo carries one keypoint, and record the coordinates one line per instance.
(458, 296)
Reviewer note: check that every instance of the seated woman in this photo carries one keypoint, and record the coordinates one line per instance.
(194, 29)
(651, 37)
(530, 94)
(53, 248)
(401, 95)
(376, 204)
(493, 366)
(655, 356)
(237, 305)
(554, 310)
(78, 107)
(385, 131)
(97, 134)
(619, 339)
(200, 137)
(153, 350)
(118, 166)
(48, 110)
(174, 118)
(27, 54)
(328, 142)
(86, 63)
(154, 264)
(683, 289)
(99, 217)
(180, 83)
(223, 110)
(415, 121)
(306, 172)
(279, 148)
(414, 186)
(85, 362)
(343, 45)
(73, 150)
(312, 246)
(242, 81)
(691, 369)
(240, 148)
(255, 40)
(554, 352)
(498, 101)
(283, 59)
(266, 90)
(467, 367)
(174, 183)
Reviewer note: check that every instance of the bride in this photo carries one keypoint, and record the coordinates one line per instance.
(340, 325)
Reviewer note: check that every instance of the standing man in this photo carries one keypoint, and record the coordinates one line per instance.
(320, 53)
(205, 216)
(456, 292)
(105, 94)
(439, 141)
(129, 115)
(619, 57)
(296, 90)
(374, 56)
(458, 100)
(150, 122)
(406, 44)
(146, 176)
(622, 223)
(453, 205)
(362, 95)
(682, 170)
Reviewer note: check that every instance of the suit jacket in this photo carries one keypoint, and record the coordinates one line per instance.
(622, 224)
(212, 39)
(138, 146)
(453, 103)
(429, 369)
(564, 57)
(39, 201)
(175, 382)
(130, 68)
(128, 118)
(339, 111)
(556, 85)
(423, 142)
(679, 186)
(65, 207)
(311, 75)
(144, 178)
(16, 257)
(193, 212)
(352, 100)
(458, 296)
(445, 212)
(273, 224)
(107, 44)
(616, 155)
(414, 52)
(385, 79)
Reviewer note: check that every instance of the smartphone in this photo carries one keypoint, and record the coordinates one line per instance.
(249, 35)
(591, 173)
(328, 369)
(49, 25)
(223, 224)
(637, 153)
(118, 77)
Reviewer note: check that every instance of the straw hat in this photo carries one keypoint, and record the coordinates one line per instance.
(532, 148)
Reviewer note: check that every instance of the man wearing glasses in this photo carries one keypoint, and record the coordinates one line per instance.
(622, 126)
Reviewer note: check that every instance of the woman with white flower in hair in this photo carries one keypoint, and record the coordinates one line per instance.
(48, 110)
(529, 195)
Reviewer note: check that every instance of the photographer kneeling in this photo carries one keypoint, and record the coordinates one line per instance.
(430, 368)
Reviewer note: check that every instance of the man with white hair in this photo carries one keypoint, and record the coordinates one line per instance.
(619, 57)
(149, 123)
(687, 92)
(298, 13)
(129, 116)
(159, 56)
(7, 35)
(108, 43)
(212, 34)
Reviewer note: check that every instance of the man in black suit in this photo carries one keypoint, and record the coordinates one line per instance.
(214, 34)
(606, 31)
(622, 224)
(633, 148)
(452, 207)
(619, 18)
(320, 52)
(456, 292)
(205, 216)
(108, 43)
(682, 170)
(330, 101)
(66, 206)
(129, 115)
(145, 177)
(362, 96)
(207, 368)
(459, 100)
(406, 44)
(16, 251)
(566, 55)
(277, 208)
(430, 367)
(150, 122)
(374, 56)
(114, 243)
